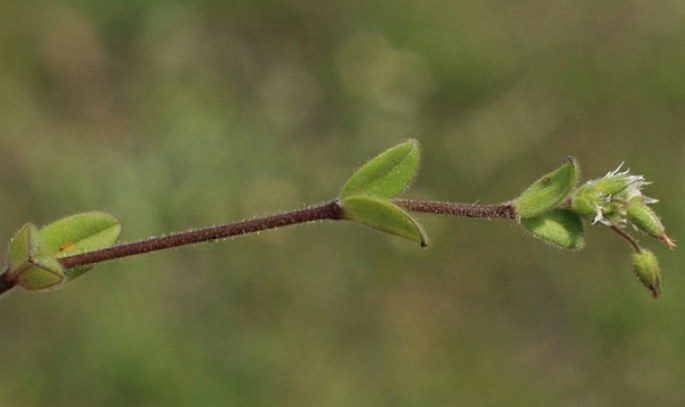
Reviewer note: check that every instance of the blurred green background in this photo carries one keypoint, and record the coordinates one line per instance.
(174, 115)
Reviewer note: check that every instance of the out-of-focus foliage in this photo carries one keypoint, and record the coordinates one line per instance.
(172, 115)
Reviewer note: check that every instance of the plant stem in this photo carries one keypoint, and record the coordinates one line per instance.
(502, 211)
(332, 211)
(5, 282)
(631, 241)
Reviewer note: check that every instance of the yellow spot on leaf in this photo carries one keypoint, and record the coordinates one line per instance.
(67, 247)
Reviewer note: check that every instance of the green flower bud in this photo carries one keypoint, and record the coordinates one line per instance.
(605, 198)
(547, 192)
(618, 183)
(585, 201)
(647, 270)
(645, 219)
(559, 227)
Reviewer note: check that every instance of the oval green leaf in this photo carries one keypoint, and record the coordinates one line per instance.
(80, 233)
(387, 175)
(19, 248)
(383, 215)
(549, 191)
(559, 227)
(43, 273)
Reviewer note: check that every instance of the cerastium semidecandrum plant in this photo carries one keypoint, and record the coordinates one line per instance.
(552, 209)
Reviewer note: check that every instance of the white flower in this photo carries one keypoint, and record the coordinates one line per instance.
(633, 185)
(613, 192)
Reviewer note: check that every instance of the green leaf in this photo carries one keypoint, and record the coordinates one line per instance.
(383, 215)
(28, 264)
(19, 248)
(559, 227)
(386, 175)
(45, 273)
(80, 233)
(548, 192)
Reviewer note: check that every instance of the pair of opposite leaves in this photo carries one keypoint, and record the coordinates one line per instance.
(366, 198)
(538, 208)
(33, 255)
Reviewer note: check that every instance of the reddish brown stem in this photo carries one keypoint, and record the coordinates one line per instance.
(502, 211)
(5, 282)
(631, 241)
(332, 211)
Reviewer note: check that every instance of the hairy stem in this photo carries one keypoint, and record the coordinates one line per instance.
(5, 282)
(502, 211)
(631, 241)
(332, 211)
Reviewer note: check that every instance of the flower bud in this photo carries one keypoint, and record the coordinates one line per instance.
(585, 201)
(547, 192)
(615, 183)
(559, 227)
(605, 198)
(645, 219)
(647, 270)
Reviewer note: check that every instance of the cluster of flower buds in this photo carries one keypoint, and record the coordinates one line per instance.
(616, 200)
(33, 258)
(553, 207)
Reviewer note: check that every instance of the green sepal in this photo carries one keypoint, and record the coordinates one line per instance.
(387, 175)
(585, 201)
(29, 264)
(610, 185)
(383, 215)
(80, 233)
(644, 218)
(594, 194)
(647, 270)
(559, 227)
(549, 191)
